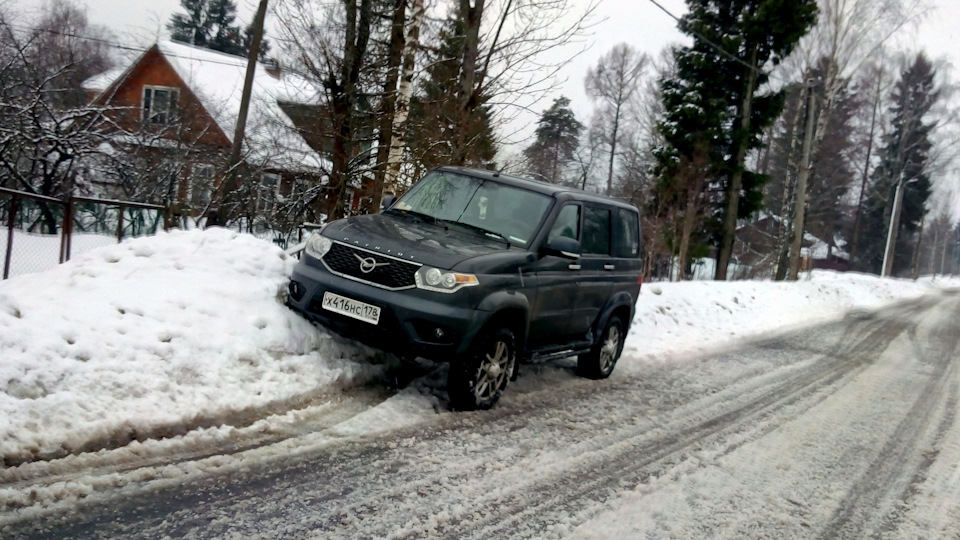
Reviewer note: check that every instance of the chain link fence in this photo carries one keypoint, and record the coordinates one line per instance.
(37, 232)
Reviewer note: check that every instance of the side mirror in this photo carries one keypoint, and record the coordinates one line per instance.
(561, 246)
(387, 202)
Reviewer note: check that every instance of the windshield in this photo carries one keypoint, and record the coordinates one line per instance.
(491, 208)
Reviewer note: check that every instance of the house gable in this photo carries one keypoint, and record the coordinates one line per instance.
(153, 70)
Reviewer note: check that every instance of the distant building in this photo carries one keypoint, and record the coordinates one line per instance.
(180, 103)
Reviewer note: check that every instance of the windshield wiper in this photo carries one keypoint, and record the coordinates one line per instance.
(479, 229)
(412, 213)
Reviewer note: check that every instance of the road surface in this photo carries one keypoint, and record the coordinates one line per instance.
(844, 430)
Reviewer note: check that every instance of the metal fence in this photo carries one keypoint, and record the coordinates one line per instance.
(38, 232)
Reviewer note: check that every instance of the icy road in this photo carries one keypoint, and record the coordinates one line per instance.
(844, 430)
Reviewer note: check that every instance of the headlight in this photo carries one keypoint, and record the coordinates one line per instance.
(318, 246)
(432, 279)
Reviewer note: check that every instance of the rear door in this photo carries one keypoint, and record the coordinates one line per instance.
(628, 267)
(558, 279)
(596, 273)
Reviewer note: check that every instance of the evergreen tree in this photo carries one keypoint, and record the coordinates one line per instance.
(211, 24)
(557, 139)
(903, 158)
(714, 101)
(439, 122)
(193, 27)
(226, 35)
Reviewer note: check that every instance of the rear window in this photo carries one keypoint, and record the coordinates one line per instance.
(596, 231)
(626, 234)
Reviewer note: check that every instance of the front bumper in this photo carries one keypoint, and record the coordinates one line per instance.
(409, 319)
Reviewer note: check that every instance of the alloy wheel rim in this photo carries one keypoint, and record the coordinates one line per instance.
(493, 371)
(608, 352)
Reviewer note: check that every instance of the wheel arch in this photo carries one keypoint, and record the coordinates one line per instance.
(620, 305)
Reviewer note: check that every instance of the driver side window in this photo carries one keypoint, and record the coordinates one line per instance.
(567, 223)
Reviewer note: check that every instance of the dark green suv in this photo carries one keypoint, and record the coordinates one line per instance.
(483, 271)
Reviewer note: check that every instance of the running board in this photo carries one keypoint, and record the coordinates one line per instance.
(546, 357)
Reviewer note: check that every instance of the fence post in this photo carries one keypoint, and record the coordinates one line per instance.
(68, 228)
(120, 224)
(10, 223)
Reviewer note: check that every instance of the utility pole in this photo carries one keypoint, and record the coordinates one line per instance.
(230, 182)
(892, 232)
(801, 197)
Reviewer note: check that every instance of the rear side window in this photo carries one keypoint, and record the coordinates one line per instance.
(596, 231)
(626, 234)
(567, 223)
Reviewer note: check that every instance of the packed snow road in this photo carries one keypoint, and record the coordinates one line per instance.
(845, 430)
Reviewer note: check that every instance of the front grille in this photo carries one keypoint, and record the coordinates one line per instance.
(390, 273)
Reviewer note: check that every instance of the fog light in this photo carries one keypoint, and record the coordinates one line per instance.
(438, 332)
(296, 291)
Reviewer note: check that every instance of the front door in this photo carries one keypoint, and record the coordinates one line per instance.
(597, 274)
(558, 279)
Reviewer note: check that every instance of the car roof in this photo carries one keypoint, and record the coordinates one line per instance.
(560, 192)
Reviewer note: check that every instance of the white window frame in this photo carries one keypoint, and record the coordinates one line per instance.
(150, 113)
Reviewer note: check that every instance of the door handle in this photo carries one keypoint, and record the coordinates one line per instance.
(574, 267)
(608, 267)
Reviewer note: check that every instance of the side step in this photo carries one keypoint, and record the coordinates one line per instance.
(537, 358)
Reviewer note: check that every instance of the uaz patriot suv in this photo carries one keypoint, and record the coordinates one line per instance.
(480, 270)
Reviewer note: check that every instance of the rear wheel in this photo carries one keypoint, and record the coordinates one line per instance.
(602, 358)
(479, 379)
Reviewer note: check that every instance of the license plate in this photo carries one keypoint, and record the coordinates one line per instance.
(351, 308)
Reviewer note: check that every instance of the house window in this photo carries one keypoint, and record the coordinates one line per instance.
(160, 104)
(268, 192)
(201, 184)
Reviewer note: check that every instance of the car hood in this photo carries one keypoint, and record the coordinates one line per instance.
(410, 239)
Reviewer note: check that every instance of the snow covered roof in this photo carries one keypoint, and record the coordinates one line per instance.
(271, 138)
(103, 80)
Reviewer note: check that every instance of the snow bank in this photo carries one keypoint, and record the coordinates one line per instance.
(153, 337)
(698, 316)
(158, 336)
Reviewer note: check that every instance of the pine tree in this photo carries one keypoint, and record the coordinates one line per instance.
(439, 123)
(193, 27)
(903, 158)
(226, 36)
(210, 24)
(714, 100)
(557, 139)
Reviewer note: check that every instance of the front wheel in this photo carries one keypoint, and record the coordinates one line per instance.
(600, 361)
(478, 380)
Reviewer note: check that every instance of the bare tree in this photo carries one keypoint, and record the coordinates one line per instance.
(45, 127)
(613, 83)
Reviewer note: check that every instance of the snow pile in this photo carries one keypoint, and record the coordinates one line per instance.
(156, 336)
(698, 316)
(159, 336)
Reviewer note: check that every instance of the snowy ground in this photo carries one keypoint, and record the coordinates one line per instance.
(181, 344)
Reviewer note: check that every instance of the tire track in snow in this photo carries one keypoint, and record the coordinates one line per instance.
(639, 458)
(322, 412)
(395, 487)
(892, 477)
